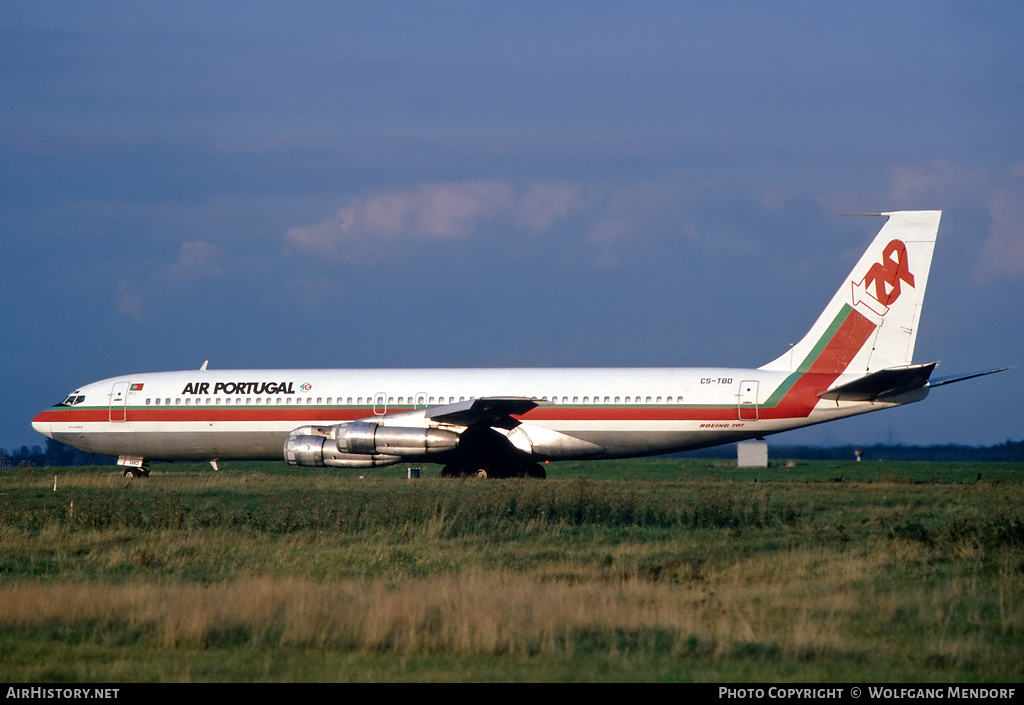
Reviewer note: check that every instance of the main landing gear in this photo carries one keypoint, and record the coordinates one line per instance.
(486, 470)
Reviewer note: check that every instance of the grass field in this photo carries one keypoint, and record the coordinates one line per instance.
(642, 570)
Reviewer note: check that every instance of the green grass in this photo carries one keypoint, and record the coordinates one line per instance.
(640, 570)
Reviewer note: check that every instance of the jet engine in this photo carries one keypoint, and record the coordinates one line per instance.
(312, 446)
(363, 444)
(367, 437)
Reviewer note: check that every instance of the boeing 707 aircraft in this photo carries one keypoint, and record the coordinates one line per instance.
(505, 422)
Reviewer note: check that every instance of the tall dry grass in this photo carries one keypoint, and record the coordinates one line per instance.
(480, 613)
(800, 604)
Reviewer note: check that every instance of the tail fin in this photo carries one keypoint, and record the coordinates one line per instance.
(871, 323)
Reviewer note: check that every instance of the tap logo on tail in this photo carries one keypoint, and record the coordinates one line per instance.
(886, 277)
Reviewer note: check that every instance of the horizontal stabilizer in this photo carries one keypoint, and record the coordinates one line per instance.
(878, 386)
(960, 378)
(495, 411)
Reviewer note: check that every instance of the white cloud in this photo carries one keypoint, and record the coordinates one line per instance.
(437, 211)
(128, 299)
(632, 211)
(1003, 251)
(937, 184)
(196, 257)
(941, 184)
(545, 203)
(609, 219)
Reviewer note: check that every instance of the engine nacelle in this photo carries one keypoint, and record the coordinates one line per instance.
(369, 438)
(305, 447)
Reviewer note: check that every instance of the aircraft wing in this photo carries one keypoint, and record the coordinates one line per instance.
(493, 411)
(880, 385)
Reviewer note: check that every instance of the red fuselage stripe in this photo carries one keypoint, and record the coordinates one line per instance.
(798, 402)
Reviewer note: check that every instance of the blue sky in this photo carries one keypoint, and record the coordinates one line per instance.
(486, 184)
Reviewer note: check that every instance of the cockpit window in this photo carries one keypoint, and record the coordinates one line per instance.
(72, 400)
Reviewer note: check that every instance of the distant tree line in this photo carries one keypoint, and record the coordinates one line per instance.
(1008, 452)
(56, 454)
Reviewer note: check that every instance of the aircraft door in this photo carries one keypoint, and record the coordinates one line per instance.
(119, 402)
(380, 403)
(748, 400)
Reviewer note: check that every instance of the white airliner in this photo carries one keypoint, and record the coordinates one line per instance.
(504, 422)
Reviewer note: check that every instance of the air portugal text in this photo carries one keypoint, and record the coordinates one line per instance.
(240, 388)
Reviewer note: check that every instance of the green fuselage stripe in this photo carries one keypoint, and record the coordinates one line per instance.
(805, 366)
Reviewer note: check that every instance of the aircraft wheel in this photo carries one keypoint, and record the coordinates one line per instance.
(536, 470)
(132, 473)
(482, 473)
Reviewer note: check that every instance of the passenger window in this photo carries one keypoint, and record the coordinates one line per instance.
(147, 402)
(659, 400)
(177, 402)
(227, 400)
(586, 400)
(617, 400)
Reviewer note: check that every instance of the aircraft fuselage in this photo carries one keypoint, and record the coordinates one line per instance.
(248, 414)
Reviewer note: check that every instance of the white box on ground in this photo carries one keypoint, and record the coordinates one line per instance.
(752, 454)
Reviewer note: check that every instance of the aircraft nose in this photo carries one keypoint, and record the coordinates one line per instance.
(41, 426)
